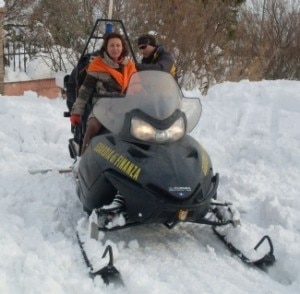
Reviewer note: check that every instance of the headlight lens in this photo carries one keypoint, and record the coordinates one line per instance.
(145, 132)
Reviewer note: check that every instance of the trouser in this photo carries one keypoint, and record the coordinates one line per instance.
(92, 129)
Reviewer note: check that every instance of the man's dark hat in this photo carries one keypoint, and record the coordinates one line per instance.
(147, 40)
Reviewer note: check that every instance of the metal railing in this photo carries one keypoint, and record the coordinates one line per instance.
(17, 54)
(17, 51)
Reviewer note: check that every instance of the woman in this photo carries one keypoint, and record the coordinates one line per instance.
(107, 73)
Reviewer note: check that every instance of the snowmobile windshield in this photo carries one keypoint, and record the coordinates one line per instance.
(155, 93)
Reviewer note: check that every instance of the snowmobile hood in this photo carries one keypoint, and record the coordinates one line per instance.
(155, 93)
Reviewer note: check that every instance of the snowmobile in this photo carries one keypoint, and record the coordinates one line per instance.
(147, 155)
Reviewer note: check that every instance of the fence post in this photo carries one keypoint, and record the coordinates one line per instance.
(2, 12)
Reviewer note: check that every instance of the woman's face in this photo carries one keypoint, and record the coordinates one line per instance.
(114, 48)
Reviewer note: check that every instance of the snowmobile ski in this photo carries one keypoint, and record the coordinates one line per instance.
(224, 212)
(267, 260)
(108, 273)
(87, 236)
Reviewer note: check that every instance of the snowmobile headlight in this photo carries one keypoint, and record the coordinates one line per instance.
(146, 132)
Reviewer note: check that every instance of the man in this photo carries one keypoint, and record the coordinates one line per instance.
(154, 56)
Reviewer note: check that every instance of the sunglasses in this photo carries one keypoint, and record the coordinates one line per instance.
(142, 47)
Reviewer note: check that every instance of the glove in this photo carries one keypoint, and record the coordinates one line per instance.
(75, 119)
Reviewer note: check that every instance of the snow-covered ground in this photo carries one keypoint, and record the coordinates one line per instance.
(251, 131)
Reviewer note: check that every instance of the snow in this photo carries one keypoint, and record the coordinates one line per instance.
(2, 3)
(36, 69)
(250, 130)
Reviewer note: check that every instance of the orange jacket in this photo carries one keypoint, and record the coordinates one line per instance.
(122, 78)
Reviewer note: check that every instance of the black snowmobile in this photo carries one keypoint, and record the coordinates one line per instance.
(146, 155)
